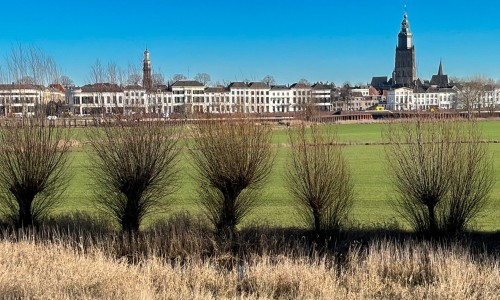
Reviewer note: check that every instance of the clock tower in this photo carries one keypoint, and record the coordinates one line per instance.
(405, 70)
(147, 82)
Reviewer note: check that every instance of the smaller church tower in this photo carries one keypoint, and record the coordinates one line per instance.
(147, 81)
(405, 69)
(440, 80)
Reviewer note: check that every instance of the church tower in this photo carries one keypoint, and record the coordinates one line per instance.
(147, 82)
(405, 70)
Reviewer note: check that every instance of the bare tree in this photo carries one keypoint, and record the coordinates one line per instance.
(122, 77)
(304, 81)
(134, 166)
(133, 75)
(26, 80)
(66, 81)
(233, 158)
(158, 79)
(470, 94)
(33, 165)
(440, 172)
(309, 107)
(269, 80)
(319, 179)
(3, 76)
(203, 78)
(97, 73)
(53, 73)
(112, 73)
(98, 78)
(30, 68)
(178, 77)
(347, 84)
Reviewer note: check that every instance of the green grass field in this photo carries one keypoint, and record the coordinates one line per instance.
(368, 165)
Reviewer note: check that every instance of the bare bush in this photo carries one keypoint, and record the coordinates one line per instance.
(134, 168)
(33, 164)
(233, 158)
(420, 155)
(440, 171)
(472, 181)
(319, 179)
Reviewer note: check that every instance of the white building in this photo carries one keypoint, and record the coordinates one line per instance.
(414, 99)
(96, 99)
(188, 97)
(18, 100)
(400, 99)
(321, 95)
(301, 96)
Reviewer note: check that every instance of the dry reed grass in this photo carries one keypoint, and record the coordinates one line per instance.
(382, 270)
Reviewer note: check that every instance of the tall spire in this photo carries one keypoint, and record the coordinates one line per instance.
(440, 71)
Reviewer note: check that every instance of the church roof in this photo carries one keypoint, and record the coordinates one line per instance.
(379, 81)
(440, 80)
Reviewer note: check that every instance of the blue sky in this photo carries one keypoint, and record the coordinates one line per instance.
(234, 40)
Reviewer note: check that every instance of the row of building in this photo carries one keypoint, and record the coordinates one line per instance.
(191, 97)
(403, 91)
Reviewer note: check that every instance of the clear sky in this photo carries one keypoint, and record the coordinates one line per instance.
(234, 40)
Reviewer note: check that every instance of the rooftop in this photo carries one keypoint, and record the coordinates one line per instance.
(179, 83)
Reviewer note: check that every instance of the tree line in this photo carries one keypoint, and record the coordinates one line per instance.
(441, 172)
(30, 65)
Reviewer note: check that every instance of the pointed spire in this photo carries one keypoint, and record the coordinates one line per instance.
(440, 71)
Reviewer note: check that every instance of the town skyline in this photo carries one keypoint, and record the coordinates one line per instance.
(321, 48)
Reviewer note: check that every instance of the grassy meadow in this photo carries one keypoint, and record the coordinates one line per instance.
(363, 150)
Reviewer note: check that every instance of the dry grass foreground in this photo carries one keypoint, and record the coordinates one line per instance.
(382, 271)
